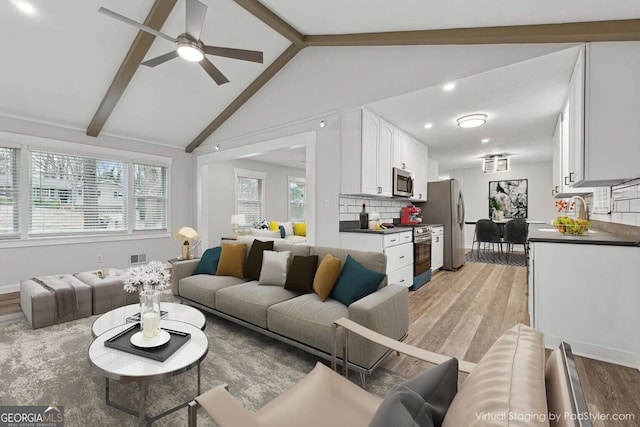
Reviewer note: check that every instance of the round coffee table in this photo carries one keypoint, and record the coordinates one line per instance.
(120, 316)
(122, 366)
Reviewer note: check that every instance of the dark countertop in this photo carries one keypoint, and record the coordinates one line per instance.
(393, 230)
(433, 225)
(598, 237)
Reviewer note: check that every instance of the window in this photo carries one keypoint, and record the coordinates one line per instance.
(250, 194)
(9, 195)
(70, 194)
(297, 195)
(150, 193)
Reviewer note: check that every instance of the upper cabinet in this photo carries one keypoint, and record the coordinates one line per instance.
(418, 166)
(606, 147)
(367, 150)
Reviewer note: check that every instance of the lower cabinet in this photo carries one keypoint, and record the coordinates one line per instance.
(437, 248)
(398, 247)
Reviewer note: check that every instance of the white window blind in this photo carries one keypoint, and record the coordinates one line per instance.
(150, 193)
(250, 195)
(9, 194)
(73, 194)
(297, 196)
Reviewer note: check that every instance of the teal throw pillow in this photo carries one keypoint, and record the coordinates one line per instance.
(355, 282)
(209, 262)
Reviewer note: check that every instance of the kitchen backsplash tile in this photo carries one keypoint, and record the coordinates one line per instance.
(350, 207)
(625, 206)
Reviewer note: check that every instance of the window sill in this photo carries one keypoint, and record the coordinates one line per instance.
(73, 240)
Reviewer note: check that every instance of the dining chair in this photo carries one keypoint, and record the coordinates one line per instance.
(487, 231)
(516, 232)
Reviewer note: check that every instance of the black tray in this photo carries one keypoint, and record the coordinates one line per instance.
(136, 317)
(122, 342)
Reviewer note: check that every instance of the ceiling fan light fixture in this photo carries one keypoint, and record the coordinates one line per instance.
(472, 120)
(190, 52)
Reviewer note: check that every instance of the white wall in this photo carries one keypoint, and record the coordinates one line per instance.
(475, 187)
(20, 261)
(433, 170)
(222, 194)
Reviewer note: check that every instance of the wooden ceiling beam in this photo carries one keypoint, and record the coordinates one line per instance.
(246, 94)
(155, 19)
(622, 30)
(263, 13)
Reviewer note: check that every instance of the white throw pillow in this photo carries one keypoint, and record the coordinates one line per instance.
(274, 268)
(288, 228)
(265, 233)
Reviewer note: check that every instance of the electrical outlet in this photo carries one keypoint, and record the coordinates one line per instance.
(99, 258)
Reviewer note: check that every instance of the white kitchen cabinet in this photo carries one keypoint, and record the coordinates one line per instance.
(401, 155)
(437, 248)
(367, 149)
(587, 295)
(398, 247)
(609, 151)
(419, 167)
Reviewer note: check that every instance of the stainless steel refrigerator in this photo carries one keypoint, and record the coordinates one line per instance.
(445, 205)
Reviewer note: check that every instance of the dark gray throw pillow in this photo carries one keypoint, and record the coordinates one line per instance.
(421, 401)
(253, 264)
(301, 274)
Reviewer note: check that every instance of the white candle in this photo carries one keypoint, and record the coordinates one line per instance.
(150, 324)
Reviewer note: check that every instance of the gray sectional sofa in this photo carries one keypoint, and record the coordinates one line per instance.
(300, 320)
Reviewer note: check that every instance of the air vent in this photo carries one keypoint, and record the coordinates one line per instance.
(137, 259)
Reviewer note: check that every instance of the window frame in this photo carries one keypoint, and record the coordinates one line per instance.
(253, 174)
(301, 180)
(17, 199)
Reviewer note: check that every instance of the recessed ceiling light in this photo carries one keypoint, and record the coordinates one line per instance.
(217, 147)
(472, 120)
(24, 6)
(485, 140)
(322, 123)
(428, 125)
(449, 86)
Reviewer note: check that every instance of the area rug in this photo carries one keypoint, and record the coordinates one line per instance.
(49, 366)
(488, 257)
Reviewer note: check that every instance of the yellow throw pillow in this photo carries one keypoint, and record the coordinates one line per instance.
(232, 258)
(273, 225)
(300, 228)
(326, 276)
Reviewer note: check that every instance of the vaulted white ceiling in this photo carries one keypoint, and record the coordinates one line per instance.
(58, 63)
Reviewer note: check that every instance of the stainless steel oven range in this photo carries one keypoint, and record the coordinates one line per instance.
(421, 255)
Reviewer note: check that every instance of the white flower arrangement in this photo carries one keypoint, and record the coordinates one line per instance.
(152, 275)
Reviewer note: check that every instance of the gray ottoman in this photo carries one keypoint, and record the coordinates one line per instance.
(108, 291)
(47, 300)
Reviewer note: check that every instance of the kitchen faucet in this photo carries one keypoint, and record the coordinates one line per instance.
(584, 204)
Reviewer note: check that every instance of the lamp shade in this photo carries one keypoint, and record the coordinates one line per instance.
(238, 219)
(186, 233)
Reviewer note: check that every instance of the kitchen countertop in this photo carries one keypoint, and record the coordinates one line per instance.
(393, 230)
(546, 233)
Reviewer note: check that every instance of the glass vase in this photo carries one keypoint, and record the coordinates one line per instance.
(149, 312)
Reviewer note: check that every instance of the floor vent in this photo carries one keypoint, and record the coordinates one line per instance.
(137, 259)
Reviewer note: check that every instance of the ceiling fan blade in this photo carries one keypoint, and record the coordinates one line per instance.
(241, 54)
(196, 12)
(138, 25)
(215, 74)
(161, 59)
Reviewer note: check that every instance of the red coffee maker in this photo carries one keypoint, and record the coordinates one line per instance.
(411, 215)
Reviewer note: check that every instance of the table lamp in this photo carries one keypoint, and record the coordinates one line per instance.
(236, 220)
(186, 234)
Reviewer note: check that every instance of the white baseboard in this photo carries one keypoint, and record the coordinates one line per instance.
(592, 351)
(7, 289)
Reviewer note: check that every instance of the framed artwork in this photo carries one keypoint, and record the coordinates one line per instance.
(511, 195)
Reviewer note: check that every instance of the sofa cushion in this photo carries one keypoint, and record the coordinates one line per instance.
(265, 233)
(306, 319)
(326, 276)
(253, 264)
(209, 261)
(421, 401)
(274, 268)
(376, 261)
(301, 274)
(507, 385)
(250, 301)
(355, 282)
(232, 258)
(203, 287)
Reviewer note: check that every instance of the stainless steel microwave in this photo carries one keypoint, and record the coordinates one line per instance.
(402, 183)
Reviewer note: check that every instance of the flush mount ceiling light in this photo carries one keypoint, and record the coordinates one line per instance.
(495, 163)
(428, 125)
(24, 6)
(472, 120)
(485, 140)
(449, 86)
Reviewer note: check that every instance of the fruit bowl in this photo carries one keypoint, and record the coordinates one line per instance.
(570, 226)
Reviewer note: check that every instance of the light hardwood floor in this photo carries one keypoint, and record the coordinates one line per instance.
(462, 313)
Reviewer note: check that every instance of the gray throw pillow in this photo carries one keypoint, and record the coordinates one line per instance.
(274, 268)
(421, 401)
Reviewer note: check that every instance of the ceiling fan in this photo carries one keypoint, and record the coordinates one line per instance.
(188, 44)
